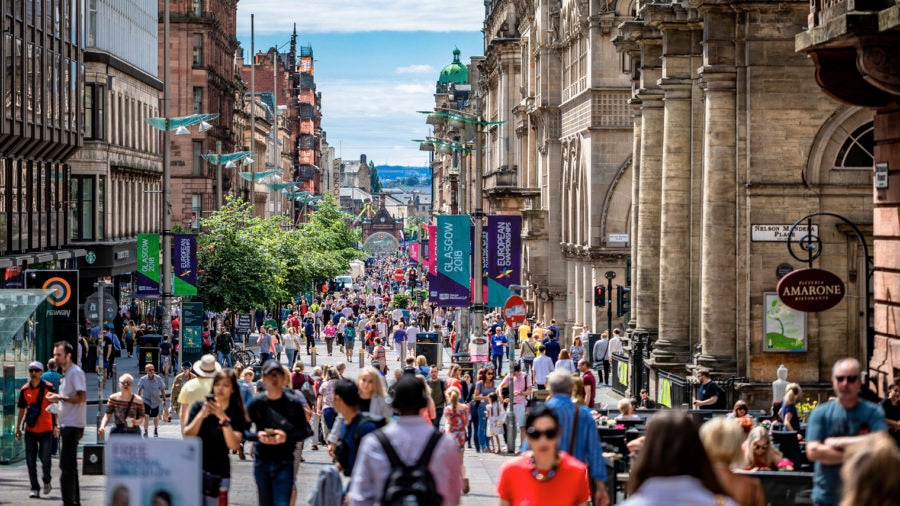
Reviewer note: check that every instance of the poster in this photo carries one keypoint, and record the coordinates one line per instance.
(148, 274)
(191, 330)
(58, 318)
(143, 471)
(784, 329)
(184, 261)
(479, 349)
(450, 287)
(504, 265)
(665, 392)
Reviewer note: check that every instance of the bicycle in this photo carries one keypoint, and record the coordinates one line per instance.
(244, 356)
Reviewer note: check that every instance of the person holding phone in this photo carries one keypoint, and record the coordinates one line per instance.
(126, 409)
(219, 421)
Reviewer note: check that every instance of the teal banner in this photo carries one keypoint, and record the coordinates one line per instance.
(192, 329)
(452, 286)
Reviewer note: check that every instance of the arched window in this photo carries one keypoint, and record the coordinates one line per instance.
(857, 152)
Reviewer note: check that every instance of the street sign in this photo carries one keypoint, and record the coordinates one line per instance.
(514, 310)
(399, 275)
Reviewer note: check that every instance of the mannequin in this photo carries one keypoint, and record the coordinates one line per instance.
(780, 385)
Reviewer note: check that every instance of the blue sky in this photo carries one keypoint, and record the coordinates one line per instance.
(376, 64)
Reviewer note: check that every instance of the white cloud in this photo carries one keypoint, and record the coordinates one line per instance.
(342, 16)
(415, 69)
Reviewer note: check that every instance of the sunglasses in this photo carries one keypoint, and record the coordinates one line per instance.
(126, 383)
(34, 370)
(536, 434)
(760, 447)
(850, 379)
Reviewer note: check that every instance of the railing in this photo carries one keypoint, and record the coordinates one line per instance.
(506, 176)
(620, 373)
(823, 11)
(672, 389)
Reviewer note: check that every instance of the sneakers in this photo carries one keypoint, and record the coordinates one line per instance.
(35, 494)
(47, 488)
(145, 432)
(155, 432)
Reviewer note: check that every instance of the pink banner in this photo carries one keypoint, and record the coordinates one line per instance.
(414, 252)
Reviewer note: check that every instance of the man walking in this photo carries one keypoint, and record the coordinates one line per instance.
(518, 393)
(590, 383)
(280, 424)
(710, 395)
(601, 358)
(585, 445)
(551, 347)
(72, 416)
(499, 343)
(224, 345)
(408, 439)
(153, 390)
(541, 367)
(837, 424)
(438, 394)
(40, 427)
(354, 426)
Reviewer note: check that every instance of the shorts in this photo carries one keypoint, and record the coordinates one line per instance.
(151, 412)
(348, 343)
(519, 413)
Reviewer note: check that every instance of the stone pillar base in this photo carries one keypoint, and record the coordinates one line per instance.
(718, 366)
(671, 352)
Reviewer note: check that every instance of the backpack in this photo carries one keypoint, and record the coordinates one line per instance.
(342, 452)
(410, 485)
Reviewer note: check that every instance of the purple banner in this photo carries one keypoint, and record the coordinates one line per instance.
(184, 261)
(504, 265)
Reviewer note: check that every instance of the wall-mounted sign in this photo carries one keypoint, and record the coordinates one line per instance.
(784, 329)
(882, 170)
(811, 290)
(783, 270)
(618, 238)
(779, 233)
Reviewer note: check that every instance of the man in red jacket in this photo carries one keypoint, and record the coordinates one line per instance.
(40, 427)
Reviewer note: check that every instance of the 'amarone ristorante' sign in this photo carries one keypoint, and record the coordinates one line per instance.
(811, 290)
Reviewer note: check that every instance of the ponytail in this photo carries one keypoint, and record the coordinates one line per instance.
(454, 398)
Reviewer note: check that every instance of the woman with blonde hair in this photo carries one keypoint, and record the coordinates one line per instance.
(456, 415)
(373, 394)
(626, 411)
(722, 440)
(871, 472)
(788, 412)
(759, 452)
(125, 408)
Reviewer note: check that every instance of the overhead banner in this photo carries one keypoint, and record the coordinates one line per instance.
(57, 319)
(504, 266)
(414, 252)
(148, 274)
(453, 253)
(184, 260)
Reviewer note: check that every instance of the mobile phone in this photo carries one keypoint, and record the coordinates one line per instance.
(210, 397)
(270, 432)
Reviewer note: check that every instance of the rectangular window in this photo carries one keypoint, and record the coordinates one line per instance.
(198, 159)
(198, 7)
(198, 100)
(101, 208)
(196, 210)
(198, 50)
(81, 213)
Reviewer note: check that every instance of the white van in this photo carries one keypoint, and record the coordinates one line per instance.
(343, 282)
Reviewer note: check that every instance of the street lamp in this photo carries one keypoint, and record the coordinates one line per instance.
(459, 119)
(218, 159)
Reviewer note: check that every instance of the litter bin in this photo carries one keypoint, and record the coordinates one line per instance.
(429, 345)
(592, 339)
(148, 350)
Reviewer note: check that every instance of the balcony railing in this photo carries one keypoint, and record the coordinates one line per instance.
(505, 177)
(823, 11)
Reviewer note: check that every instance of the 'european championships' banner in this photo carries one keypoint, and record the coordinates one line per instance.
(504, 265)
(453, 247)
(184, 260)
(148, 274)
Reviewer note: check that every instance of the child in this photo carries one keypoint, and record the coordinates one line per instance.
(496, 417)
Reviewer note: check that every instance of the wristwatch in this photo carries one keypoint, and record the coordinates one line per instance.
(225, 423)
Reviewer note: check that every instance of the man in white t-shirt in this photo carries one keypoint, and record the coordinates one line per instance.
(72, 417)
(540, 368)
(411, 332)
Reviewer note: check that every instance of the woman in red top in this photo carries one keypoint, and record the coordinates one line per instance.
(543, 475)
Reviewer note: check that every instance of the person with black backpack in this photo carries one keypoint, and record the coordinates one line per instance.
(393, 469)
(353, 427)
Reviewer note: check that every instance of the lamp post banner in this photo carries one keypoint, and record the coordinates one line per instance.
(454, 251)
(184, 262)
(414, 252)
(432, 250)
(148, 272)
(504, 265)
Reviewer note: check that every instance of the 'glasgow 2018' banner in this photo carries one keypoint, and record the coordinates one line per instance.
(504, 264)
(453, 247)
(148, 274)
(184, 261)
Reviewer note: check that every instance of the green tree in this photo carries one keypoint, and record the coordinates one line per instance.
(373, 178)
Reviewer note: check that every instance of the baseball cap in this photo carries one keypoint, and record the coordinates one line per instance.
(186, 365)
(272, 365)
(36, 365)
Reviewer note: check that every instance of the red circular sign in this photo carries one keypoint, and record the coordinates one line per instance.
(399, 275)
(810, 290)
(514, 310)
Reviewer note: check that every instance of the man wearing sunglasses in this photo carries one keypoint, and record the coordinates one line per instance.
(837, 424)
(40, 427)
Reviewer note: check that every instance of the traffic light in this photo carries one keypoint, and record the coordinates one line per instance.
(623, 300)
(600, 296)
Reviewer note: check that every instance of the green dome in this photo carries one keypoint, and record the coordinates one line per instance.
(456, 72)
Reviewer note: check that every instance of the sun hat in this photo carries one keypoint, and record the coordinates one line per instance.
(207, 366)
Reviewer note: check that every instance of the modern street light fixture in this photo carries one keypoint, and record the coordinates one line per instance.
(229, 160)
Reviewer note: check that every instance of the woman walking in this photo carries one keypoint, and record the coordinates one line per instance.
(291, 345)
(329, 331)
(125, 408)
(483, 389)
(457, 416)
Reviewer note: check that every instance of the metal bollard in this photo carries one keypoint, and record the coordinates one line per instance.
(362, 358)
(100, 376)
(510, 430)
(115, 375)
(312, 357)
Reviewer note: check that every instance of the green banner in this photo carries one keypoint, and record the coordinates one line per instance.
(192, 328)
(665, 392)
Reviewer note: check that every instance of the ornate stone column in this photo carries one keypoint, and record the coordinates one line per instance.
(673, 345)
(718, 306)
(635, 200)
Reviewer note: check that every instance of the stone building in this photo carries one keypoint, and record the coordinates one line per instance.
(562, 155)
(855, 48)
(311, 138)
(355, 174)
(117, 175)
(202, 46)
(730, 149)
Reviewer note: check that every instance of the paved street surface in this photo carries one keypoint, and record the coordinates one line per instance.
(481, 469)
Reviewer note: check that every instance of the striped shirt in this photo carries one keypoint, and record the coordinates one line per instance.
(587, 440)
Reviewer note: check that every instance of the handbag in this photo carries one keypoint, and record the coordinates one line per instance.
(33, 412)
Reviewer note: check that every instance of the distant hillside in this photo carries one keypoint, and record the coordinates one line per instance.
(391, 172)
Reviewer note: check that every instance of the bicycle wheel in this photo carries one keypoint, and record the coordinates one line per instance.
(240, 356)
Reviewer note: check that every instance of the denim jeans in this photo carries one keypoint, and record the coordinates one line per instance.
(263, 357)
(38, 445)
(274, 481)
(291, 354)
(68, 465)
(482, 432)
(498, 362)
(328, 416)
(224, 358)
(477, 415)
